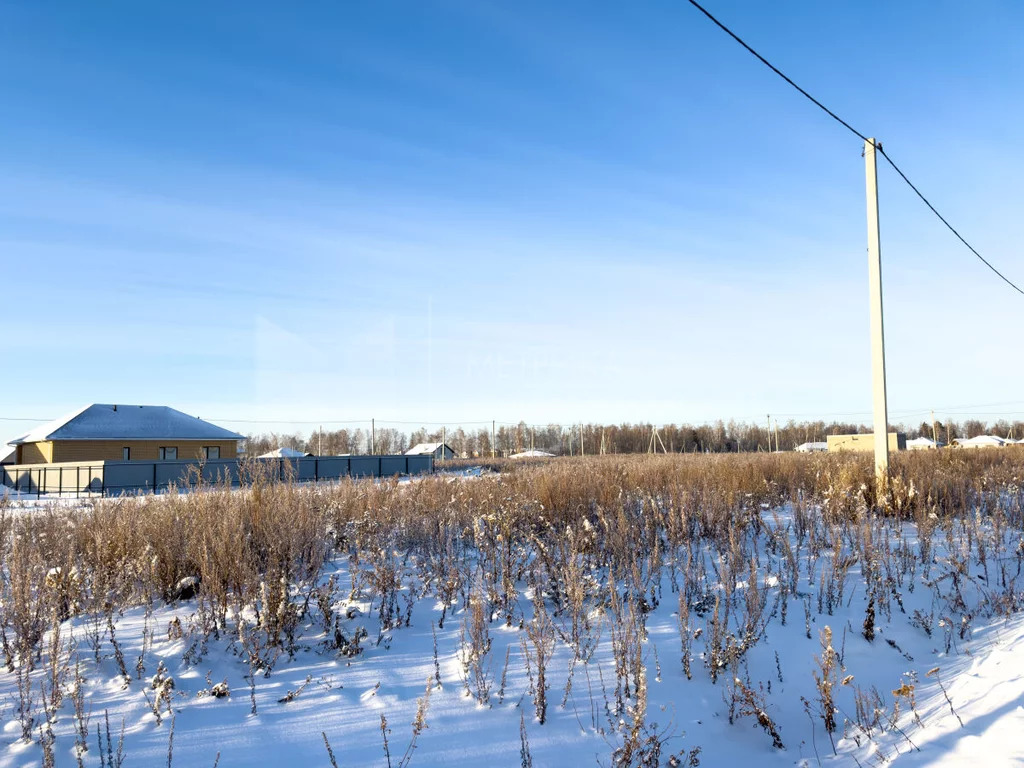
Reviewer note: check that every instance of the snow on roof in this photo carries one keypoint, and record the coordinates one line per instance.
(531, 454)
(127, 422)
(283, 453)
(422, 449)
(981, 440)
(812, 446)
(923, 442)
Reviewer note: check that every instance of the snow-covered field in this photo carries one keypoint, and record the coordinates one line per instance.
(771, 621)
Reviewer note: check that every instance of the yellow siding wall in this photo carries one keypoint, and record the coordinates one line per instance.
(141, 450)
(897, 442)
(35, 453)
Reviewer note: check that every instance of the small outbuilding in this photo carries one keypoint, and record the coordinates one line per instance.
(812, 447)
(284, 453)
(437, 450)
(924, 444)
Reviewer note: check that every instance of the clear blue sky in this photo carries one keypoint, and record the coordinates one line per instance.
(470, 210)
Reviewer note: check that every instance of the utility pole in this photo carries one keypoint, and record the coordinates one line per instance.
(492, 438)
(776, 435)
(935, 438)
(444, 441)
(373, 437)
(769, 433)
(880, 406)
(320, 442)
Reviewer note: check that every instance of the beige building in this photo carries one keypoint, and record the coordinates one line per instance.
(897, 442)
(125, 433)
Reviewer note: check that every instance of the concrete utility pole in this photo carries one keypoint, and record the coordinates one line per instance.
(373, 436)
(935, 435)
(492, 438)
(881, 409)
(444, 441)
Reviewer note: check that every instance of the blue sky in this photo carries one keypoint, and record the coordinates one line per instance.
(460, 211)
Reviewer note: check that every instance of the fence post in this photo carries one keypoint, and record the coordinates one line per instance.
(154, 478)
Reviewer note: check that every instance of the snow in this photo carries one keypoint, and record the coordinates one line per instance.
(127, 422)
(283, 453)
(981, 441)
(812, 447)
(983, 675)
(425, 449)
(922, 443)
(532, 454)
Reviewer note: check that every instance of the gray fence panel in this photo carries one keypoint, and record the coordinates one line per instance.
(119, 477)
(363, 466)
(419, 465)
(393, 465)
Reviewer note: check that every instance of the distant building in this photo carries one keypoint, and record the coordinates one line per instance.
(812, 447)
(8, 458)
(283, 453)
(532, 454)
(865, 442)
(437, 450)
(125, 433)
(924, 444)
(981, 441)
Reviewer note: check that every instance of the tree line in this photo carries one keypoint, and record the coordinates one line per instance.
(590, 439)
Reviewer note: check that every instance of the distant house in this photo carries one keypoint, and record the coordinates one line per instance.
(437, 450)
(981, 441)
(532, 454)
(923, 444)
(864, 442)
(812, 447)
(125, 433)
(283, 453)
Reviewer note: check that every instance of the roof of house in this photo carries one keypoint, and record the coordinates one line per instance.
(127, 422)
(422, 449)
(532, 454)
(981, 440)
(283, 453)
(812, 446)
(923, 441)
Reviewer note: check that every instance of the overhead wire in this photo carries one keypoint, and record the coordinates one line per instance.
(860, 135)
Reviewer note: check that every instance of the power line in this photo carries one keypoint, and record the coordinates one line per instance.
(855, 132)
(949, 226)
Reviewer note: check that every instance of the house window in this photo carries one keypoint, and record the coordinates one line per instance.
(168, 454)
(211, 451)
(126, 454)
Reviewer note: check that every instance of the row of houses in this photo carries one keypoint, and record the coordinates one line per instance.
(898, 442)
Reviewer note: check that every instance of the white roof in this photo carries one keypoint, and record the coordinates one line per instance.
(531, 454)
(982, 440)
(127, 422)
(923, 442)
(812, 446)
(283, 453)
(422, 449)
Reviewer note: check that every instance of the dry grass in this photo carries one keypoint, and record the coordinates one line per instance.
(601, 533)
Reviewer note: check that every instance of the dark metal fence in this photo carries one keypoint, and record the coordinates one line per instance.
(113, 478)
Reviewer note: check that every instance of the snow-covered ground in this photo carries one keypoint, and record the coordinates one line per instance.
(961, 680)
